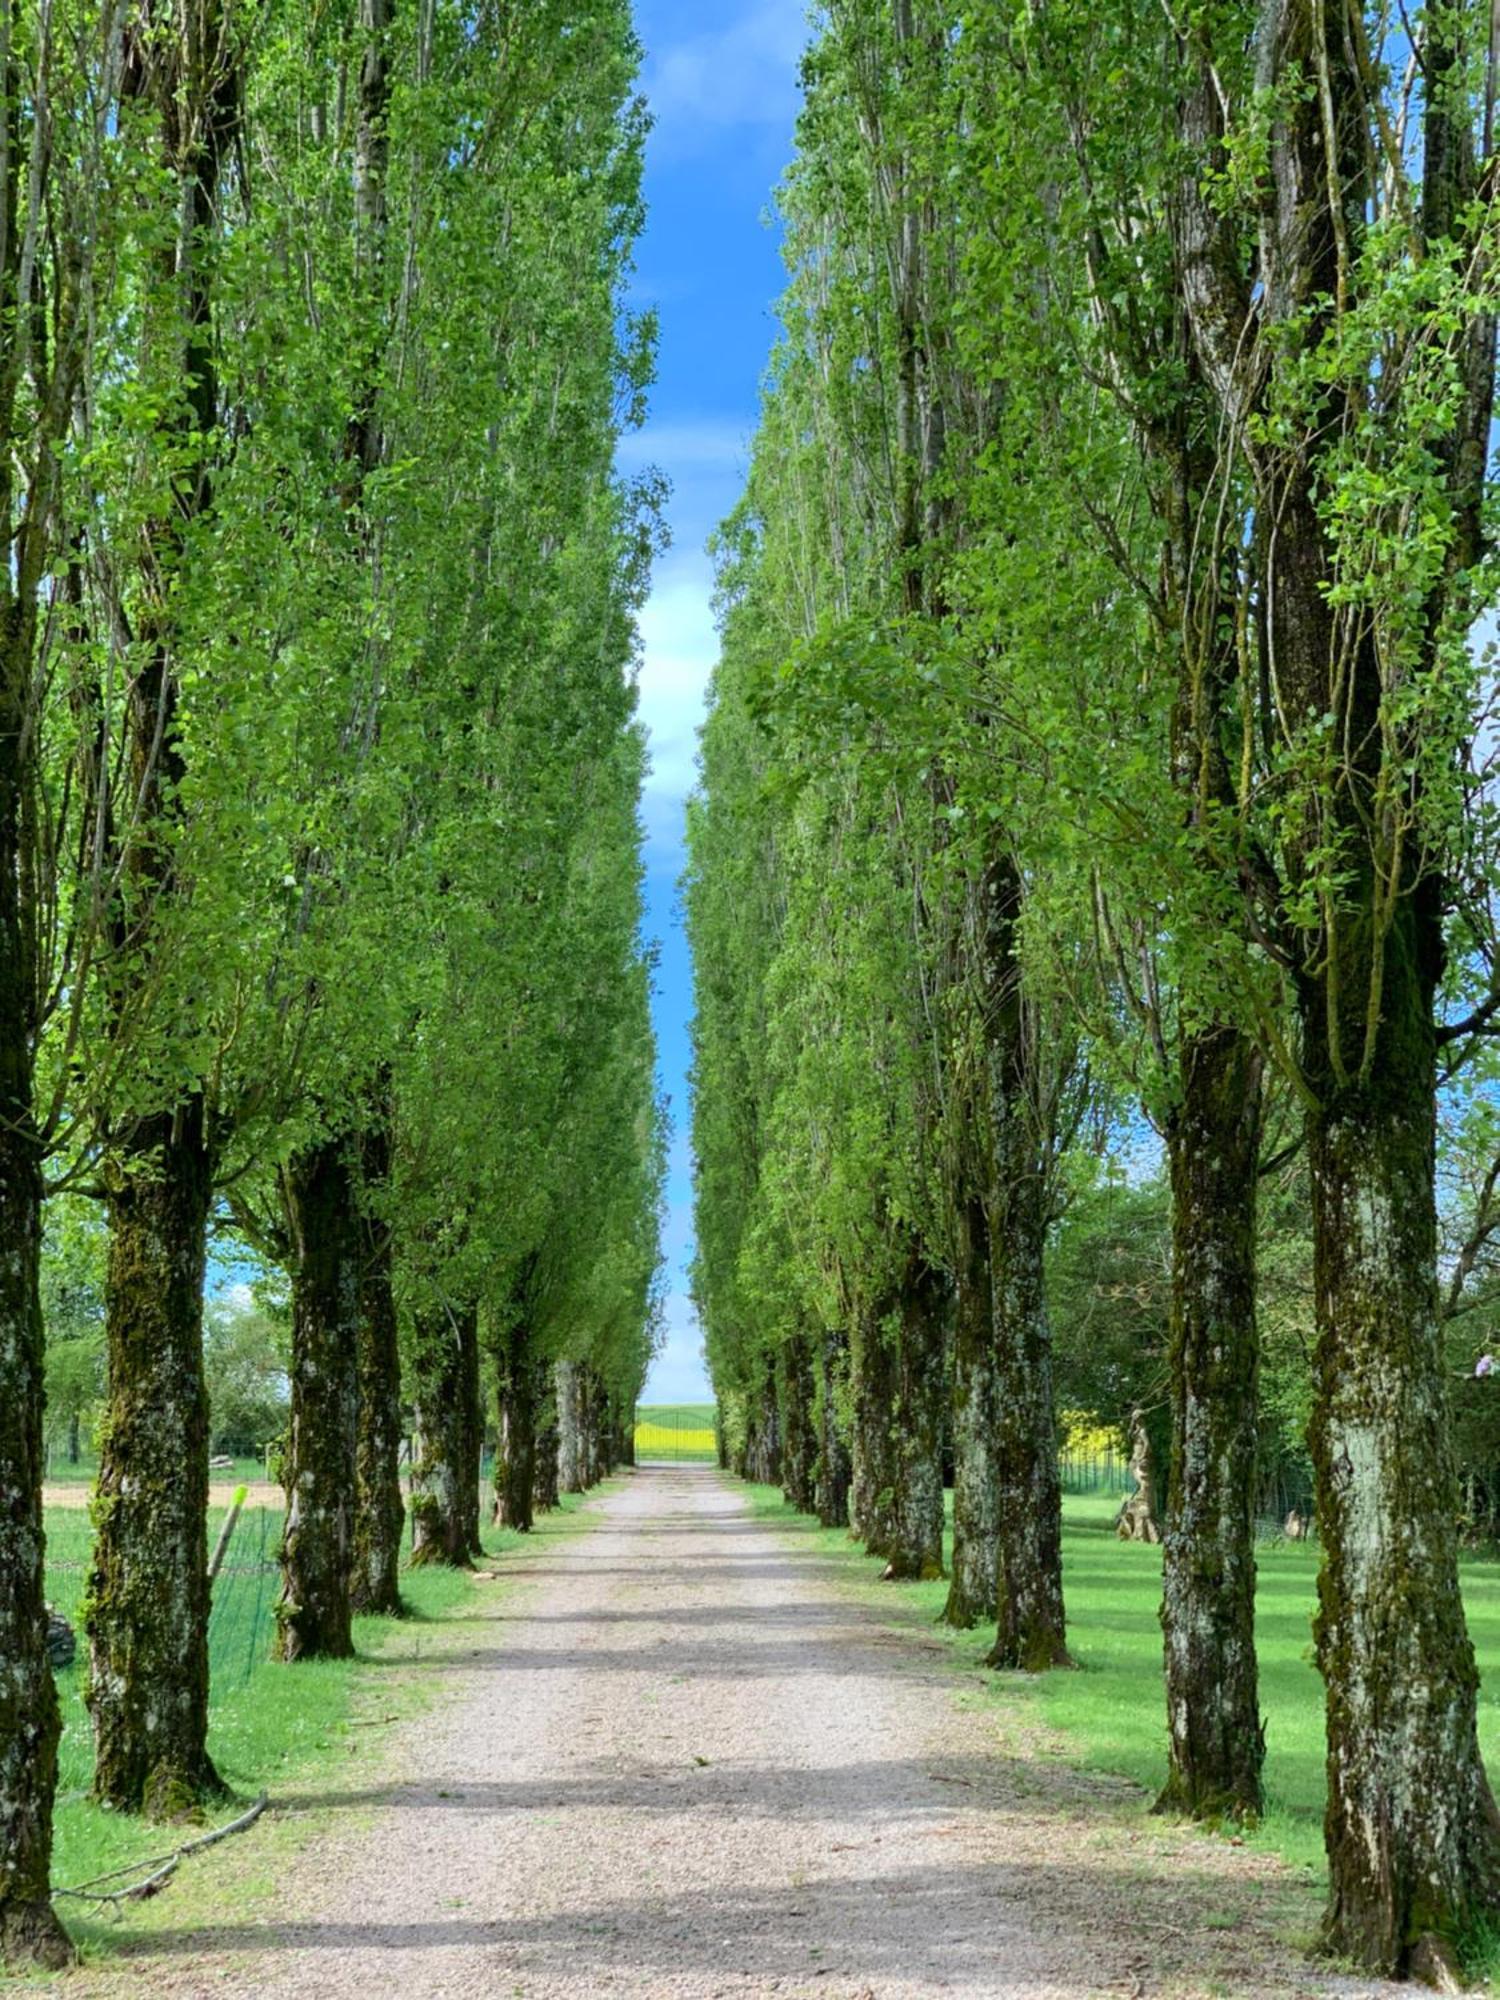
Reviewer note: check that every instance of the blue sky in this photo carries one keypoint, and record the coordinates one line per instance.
(722, 85)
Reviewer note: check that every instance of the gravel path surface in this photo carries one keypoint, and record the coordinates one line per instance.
(688, 1757)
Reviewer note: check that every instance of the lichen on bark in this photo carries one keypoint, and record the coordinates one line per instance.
(30, 1933)
(972, 1598)
(914, 1422)
(445, 1475)
(1215, 1740)
(379, 1510)
(146, 1608)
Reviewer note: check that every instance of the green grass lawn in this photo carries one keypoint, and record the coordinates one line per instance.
(1110, 1714)
(271, 1727)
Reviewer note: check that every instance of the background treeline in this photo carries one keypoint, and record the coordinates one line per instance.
(1092, 882)
(319, 889)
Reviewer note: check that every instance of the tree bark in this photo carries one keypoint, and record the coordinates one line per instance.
(1412, 1830)
(571, 1453)
(914, 1547)
(445, 1477)
(379, 1510)
(872, 1472)
(972, 1594)
(763, 1433)
(1031, 1627)
(1215, 1741)
(147, 1606)
(516, 1453)
(30, 1933)
(833, 1469)
(799, 1440)
(324, 1229)
(1411, 1827)
(547, 1463)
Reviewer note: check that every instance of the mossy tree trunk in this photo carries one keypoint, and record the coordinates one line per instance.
(873, 1469)
(30, 1933)
(1411, 1828)
(799, 1439)
(518, 1380)
(325, 1232)
(445, 1477)
(914, 1544)
(379, 1510)
(547, 1460)
(1215, 1744)
(976, 1474)
(834, 1471)
(148, 1589)
(1030, 1625)
(763, 1429)
(1412, 1831)
(147, 1606)
(571, 1455)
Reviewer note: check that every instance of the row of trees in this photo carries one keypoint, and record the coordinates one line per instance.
(1101, 756)
(319, 880)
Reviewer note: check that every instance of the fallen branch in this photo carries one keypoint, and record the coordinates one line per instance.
(162, 1867)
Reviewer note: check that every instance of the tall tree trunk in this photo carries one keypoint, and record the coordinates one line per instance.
(604, 1431)
(571, 1453)
(1214, 1733)
(1412, 1830)
(30, 1933)
(799, 1439)
(588, 1412)
(1028, 1514)
(148, 1588)
(75, 1448)
(36, 409)
(325, 1233)
(379, 1510)
(1030, 1627)
(763, 1452)
(147, 1609)
(873, 1472)
(914, 1548)
(445, 1478)
(516, 1453)
(1030, 1630)
(834, 1472)
(972, 1594)
(547, 1458)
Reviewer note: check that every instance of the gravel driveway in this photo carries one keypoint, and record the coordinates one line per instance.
(689, 1757)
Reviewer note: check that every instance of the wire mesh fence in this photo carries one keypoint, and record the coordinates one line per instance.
(244, 1594)
(1106, 1471)
(681, 1435)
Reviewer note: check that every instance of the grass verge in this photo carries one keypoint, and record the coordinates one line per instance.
(1110, 1715)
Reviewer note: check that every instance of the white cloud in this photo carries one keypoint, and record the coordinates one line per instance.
(741, 74)
(707, 444)
(678, 1374)
(679, 646)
